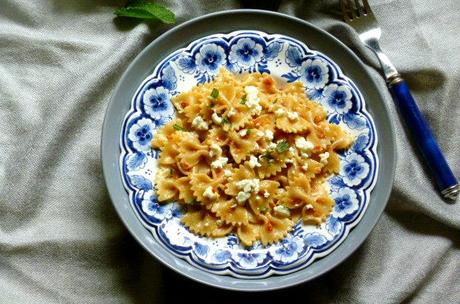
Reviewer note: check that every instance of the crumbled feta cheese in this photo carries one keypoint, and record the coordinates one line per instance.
(231, 113)
(268, 134)
(227, 173)
(199, 123)
(258, 197)
(249, 185)
(282, 210)
(260, 133)
(289, 161)
(242, 196)
(216, 118)
(266, 194)
(281, 190)
(252, 101)
(219, 163)
(209, 193)
(216, 150)
(243, 132)
(323, 157)
(292, 150)
(293, 115)
(251, 92)
(253, 162)
(305, 155)
(305, 167)
(303, 144)
(309, 206)
(280, 112)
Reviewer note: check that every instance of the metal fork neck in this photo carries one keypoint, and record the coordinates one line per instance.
(391, 74)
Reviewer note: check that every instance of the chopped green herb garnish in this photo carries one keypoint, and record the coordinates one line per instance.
(263, 209)
(244, 99)
(282, 146)
(275, 101)
(226, 124)
(215, 93)
(172, 171)
(179, 128)
(212, 104)
(248, 131)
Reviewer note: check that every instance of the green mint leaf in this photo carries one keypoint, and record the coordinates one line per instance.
(215, 93)
(179, 128)
(133, 13)
(282, 146)
(146, 10)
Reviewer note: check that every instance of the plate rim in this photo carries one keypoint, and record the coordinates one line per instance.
(206, 278)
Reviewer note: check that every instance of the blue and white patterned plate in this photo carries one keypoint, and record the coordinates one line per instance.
(243, 52)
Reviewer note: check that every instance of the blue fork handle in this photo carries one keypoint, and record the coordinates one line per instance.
(422, 135)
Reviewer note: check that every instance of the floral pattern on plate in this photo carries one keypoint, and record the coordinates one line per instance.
(247, 52)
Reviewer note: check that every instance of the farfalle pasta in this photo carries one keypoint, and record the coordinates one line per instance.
(249, 156)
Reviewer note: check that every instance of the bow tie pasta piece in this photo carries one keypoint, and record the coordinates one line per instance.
(166, 185)
(189, 104)
(248, 234)
(205, 223)
(241, 147)
(190, 154)
(231, 212)
(205, 189)
(274, 229)
(185, 191)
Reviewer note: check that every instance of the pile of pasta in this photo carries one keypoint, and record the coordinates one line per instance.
(249, 156)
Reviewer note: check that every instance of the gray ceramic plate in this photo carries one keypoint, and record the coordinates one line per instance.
(225, 22)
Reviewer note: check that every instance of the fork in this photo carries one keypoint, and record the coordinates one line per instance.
(358, 14)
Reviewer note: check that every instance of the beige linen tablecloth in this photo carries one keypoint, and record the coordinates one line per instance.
(60, 238)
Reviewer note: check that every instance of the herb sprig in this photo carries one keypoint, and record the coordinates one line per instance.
(215, 93)
(142, 9)
(282, 146)
(179, 128)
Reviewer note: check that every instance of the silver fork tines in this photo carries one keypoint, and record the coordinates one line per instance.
(358, 14)
(355, 9)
